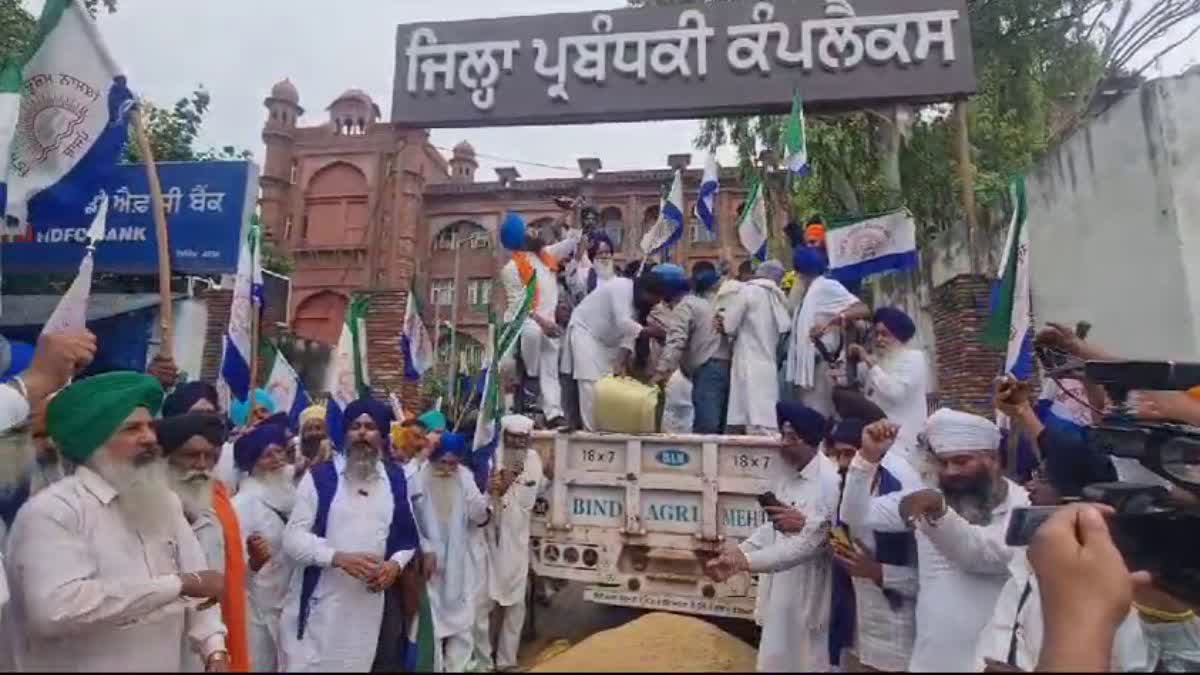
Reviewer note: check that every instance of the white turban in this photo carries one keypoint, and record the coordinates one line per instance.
(516, 424)
(950, 431)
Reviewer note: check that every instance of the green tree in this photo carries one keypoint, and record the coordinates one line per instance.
(17, 26)
(1038, 63)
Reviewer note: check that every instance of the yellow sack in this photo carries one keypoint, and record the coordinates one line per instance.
(625, 406)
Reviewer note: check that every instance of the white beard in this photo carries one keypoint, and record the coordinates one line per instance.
(195, 491)
(276, 488)
(144, 495)
(444, 491)
(605, 269)
(17, 454)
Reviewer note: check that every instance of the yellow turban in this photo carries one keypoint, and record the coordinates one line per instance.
(313, 412)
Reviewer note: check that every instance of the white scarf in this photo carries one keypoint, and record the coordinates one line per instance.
(783, 318)
(825, 296)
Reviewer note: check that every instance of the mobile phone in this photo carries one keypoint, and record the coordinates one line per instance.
(1025, 522)
(769, 499)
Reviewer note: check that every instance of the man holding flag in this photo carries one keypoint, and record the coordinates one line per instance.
(535, 262)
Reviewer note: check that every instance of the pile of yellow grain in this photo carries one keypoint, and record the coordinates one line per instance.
(659, 643)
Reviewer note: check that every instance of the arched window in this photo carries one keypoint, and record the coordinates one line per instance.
(320, 316)
(649, 218)
(471, 236)
(335, 206)
(613, 222)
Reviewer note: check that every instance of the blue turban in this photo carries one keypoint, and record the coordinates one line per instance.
(512, 232)
(380, 412)
(897, 322)
(239, 412)
(671, 279)
(20, 357)
(450, 444)
(848, 432)
(808, 424)
(187, 395)
(251, 445)
(809, 261)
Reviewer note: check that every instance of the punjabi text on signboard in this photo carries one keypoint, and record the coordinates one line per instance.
(659, 62)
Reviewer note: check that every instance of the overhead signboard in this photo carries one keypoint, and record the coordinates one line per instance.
(208, 205)
(681, 61)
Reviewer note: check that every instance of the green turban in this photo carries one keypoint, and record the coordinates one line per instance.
(86, 414)
(434, 420)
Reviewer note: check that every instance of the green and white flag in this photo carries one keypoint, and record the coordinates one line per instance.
(752, 223)
(1010, 325)
(797, 142)
(346, 379)
(491, 407)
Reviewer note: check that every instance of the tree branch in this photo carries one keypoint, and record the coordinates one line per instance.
(1165, 50)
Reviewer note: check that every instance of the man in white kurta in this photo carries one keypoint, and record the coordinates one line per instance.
(602, 335)
(540, 333)
(263, 506)
(897, 375)
(795, 569)
(448, 506)
(964, 561)
(507, 534)
(29, 381)
(359, 548)
(876, 480)
(102, 562)
(754, 320)
(827, 306)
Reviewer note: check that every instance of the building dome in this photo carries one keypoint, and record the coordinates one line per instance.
(464, 150)
(359, 96)
(285, 91)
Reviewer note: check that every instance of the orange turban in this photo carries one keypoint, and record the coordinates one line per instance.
(816, 231)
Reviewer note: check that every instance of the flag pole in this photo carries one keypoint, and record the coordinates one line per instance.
(166, 311)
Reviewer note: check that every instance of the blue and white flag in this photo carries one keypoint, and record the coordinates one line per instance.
(710, 185)
(882, 243)
(72, 124)
(346, 379)
(752, 226)
(669, 227)
(415, 342)
(234, 380)
(287, 391)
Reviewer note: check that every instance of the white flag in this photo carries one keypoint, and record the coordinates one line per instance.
(71, 313)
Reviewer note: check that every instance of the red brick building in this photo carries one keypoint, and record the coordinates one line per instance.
(362, 205)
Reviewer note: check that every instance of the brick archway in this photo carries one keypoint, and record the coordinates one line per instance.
(320, 317)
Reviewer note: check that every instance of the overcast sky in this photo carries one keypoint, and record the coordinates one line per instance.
(238, 48)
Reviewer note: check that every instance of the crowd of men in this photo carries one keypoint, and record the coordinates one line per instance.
(147, 529)
(887, 537)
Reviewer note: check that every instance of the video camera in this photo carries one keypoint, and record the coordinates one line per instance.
(1153, 531)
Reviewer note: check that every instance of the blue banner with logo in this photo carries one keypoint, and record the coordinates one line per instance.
(208, 205)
